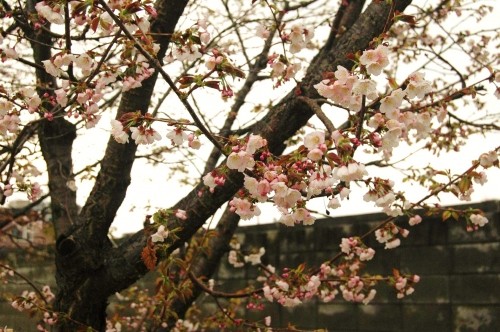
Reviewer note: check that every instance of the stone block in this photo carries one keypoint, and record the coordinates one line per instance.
(476, 258)
(337, 316)
(430, 290)
(296, 239)
(475, 289)
(379, 317)
(428, 317)
(304, 316)
(432, 260)
(476, 318)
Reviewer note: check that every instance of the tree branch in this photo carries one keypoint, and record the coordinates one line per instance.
(124, 263)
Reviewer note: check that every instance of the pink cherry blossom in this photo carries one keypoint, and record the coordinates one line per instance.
(244, 208)
(118, 133)
(315, 154)
(181, 214)
(351, 172)
(488, 159)
(415, 220)
(333, 203)
(287, 219)
(393, 101)
(304, 215)
(5, 106)
(254, 143)
(375, 60)
(262, 32)
(285, 197)
(34, 192)
(255, 259)
(257, 189)
(213, 61)
(240, 160)
(9, 123)
(417, 87)
(51, 69)
(365, 87)
(299, 38)
(178, 136)
(143, 135)
(51, 14)
(61, 97)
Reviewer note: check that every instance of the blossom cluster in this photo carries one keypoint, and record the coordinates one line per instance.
(476, 221)
(237, 259)
(30, 300)
(299, 37)
(290, 183)
(389, 235)
(390, 123)
(404, 284)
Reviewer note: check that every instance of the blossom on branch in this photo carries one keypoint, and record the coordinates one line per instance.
(160, 235)
(143, 135)
(375, 60)
(240, 160)
(118, 133)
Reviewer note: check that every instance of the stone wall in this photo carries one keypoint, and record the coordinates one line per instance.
(459, 288)
(460, 274)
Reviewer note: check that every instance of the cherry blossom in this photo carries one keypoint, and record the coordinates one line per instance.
(186, 53)
(9, 123)
(304, 215)
(314, 139)
(213, 61)
(160, 235)
(233, 259)
(375, 60)
(262, 32)
(365, 87)
(143, 135)
(177, 136)
(118, 133)
(488, 159)
(478, 220)
(51, 69)
(415, 220)
(240, 160)
(257, 189)
(299, 38)
(351, 172)
(254, 143)
(285, 197)
(213, 180)
(34, 191)
(244, 208)
(393, 101)
(254, 259)
(417, 87)
(193, 142)
(51, 14)
(9, 53)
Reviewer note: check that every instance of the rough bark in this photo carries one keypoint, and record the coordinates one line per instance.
(206, 261)
(55, 136)
(80, 252)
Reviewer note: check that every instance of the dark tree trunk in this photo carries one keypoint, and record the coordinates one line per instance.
(82, 247)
